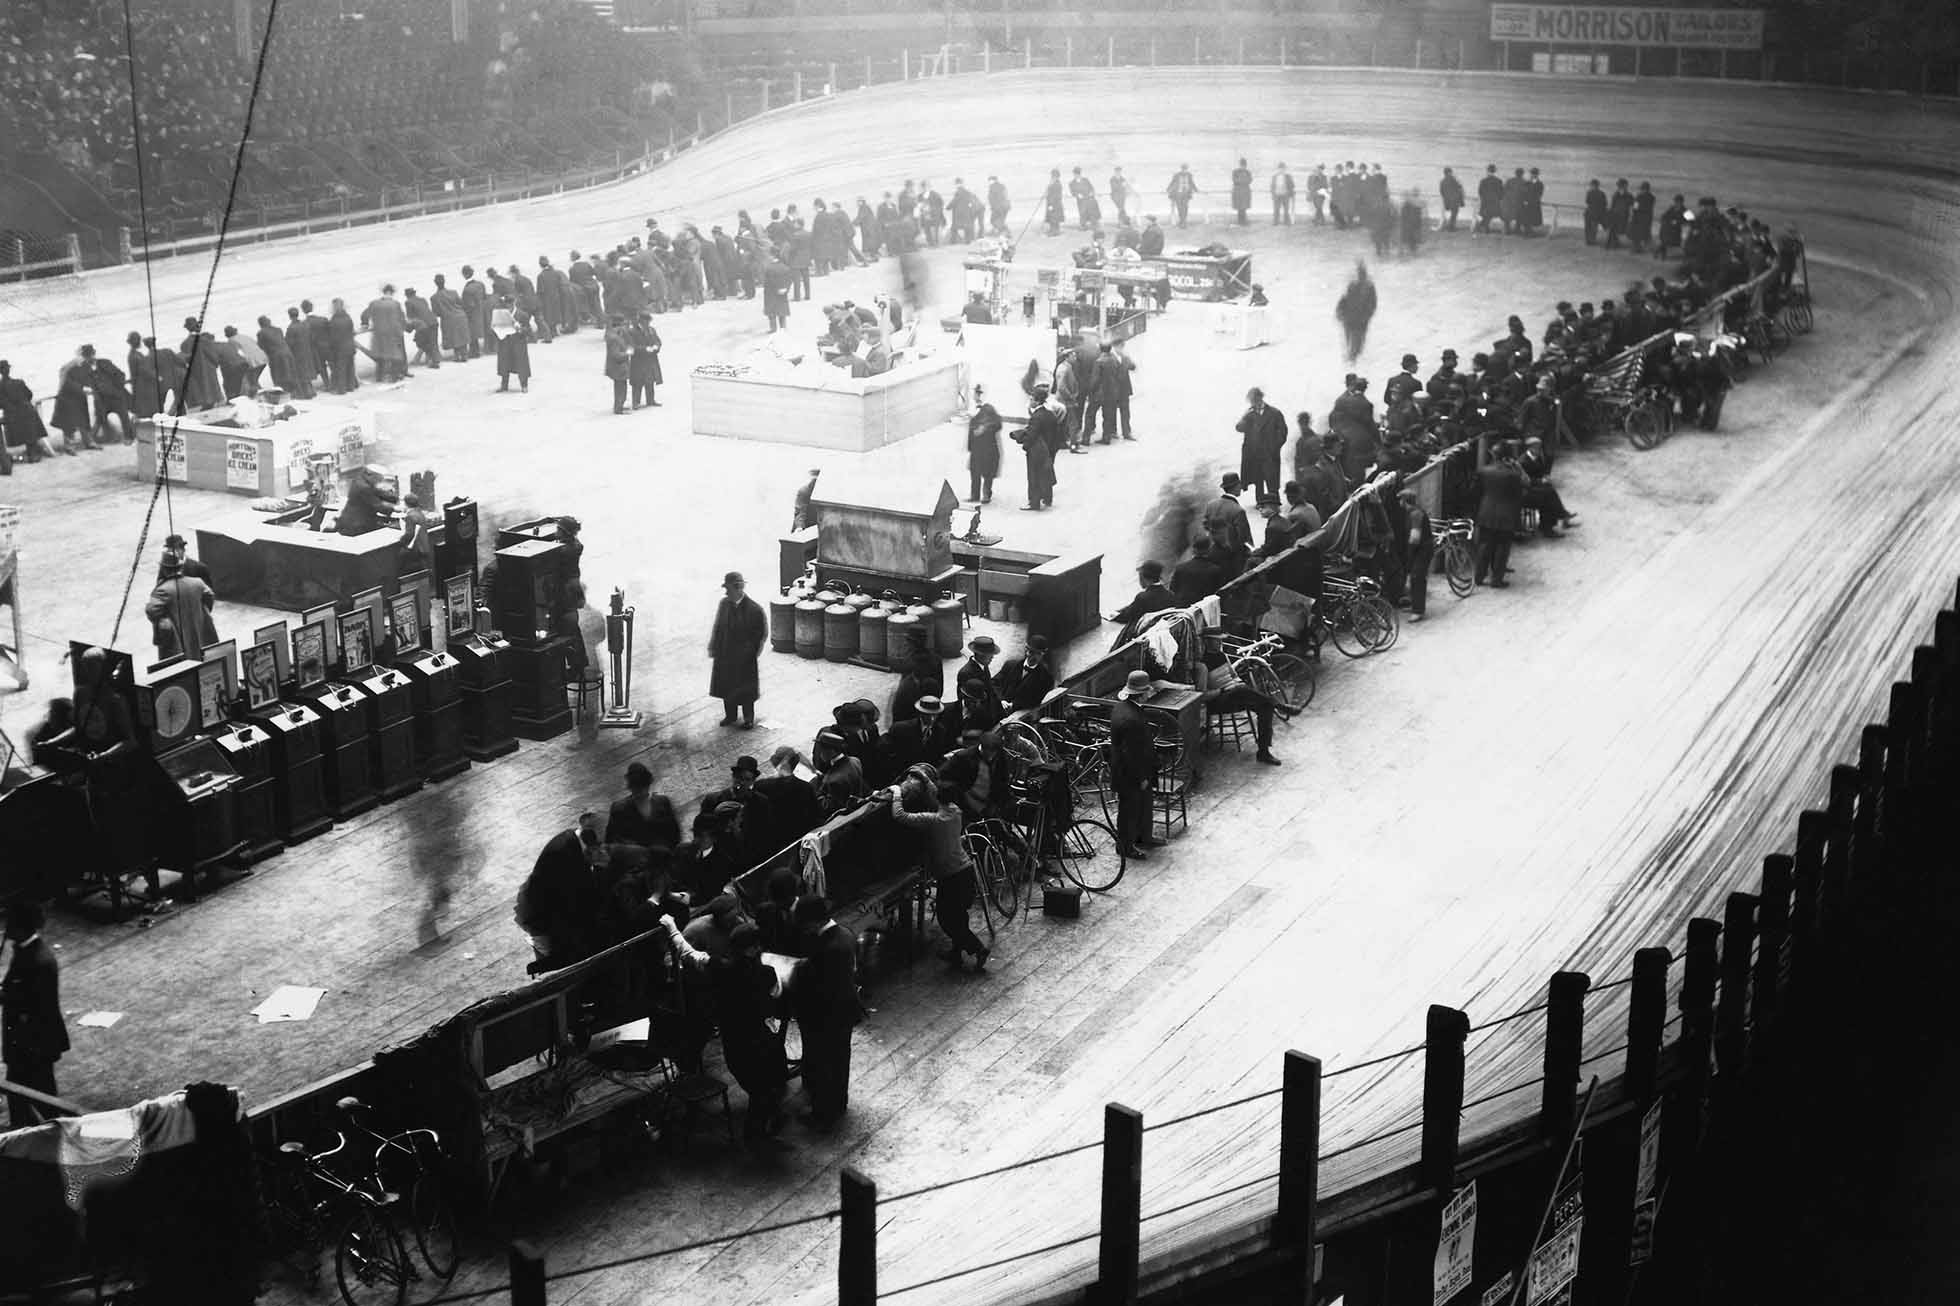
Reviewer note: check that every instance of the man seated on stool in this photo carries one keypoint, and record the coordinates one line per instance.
(369, 505)
(1224, 692)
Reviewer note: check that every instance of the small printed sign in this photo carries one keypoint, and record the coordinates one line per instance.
(242, 465)
(1454, 1245)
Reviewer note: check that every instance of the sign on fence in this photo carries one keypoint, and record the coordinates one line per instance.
(242, 464)
(1499, 1293)
(1646, 1200)
(297, 454)
(1455, 1244)
(1678, 29)
(1554, 1263)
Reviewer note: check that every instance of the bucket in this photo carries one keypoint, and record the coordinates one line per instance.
(782, 624)
(871, 634)
(904, 635)
(809, 629)
(948, 619)
(840, 632)
(997, 609)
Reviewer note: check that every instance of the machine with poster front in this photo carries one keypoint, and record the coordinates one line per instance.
(526, 603)
(436, 710)
(341, 712)
(390, 726)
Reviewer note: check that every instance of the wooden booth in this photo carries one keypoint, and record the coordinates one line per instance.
(874, 537)
(1194, 275)
(825, 407)
(245, 449)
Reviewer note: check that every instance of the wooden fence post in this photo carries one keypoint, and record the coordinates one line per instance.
(1110, 57)
(1646, 1022)
(1442, 1096)
(857, 1242)
(1565, 1040)
(1772, 960)
(867, 70)
(1900, 835)
(1299, 1172)
(1868, 830)
(1122, 1206)
(797, 84)
(1068, 51)
(1732, 1006)
(1841, 816)
(1282, 51)
(765, 98)
(1806, 916)
(526, 1276)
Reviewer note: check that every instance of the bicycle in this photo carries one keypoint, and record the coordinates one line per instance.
(309, 1207)
(1083, 848)
(409, 1165)
(1355, 616)
(1265, 666)
(1459, 558)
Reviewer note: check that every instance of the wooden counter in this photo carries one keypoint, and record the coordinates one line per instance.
(263, 462)
(825, 407)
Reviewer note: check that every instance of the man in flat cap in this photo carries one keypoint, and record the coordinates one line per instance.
(735, 648)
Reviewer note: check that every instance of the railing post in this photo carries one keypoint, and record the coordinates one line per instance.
(1122, 1206)
(1418, 52)
(797, 83)
(1294, 1222)
(1028, 57)
(1153, 51)
(526, 1276)
(1772, 958)
(832, 83)
(1109, 59)
(123, 251)
(1732, 1007)
(1646, 1022)
(1903, 720)
(700, 125)
(74, 251)
(1842, 815)
(1282, 51)
(1699, 969)
(1442, 1096)
(867, 70)
(765, 98)
(1197, 46)
(857, 1242)
(1867, 830)
(1241, 52)
(1813, 832)
(1068, 51)
(986, 59)
(905, 65)
(728, 107)
(1565, 1038)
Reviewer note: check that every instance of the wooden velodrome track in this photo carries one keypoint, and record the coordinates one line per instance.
(1552, 790)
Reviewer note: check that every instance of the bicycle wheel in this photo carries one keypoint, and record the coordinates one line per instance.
(1643, 426)
(1459, 566)
(997, 884)
(368, 1261)
(1801, 316)
(434, 1222)
(1089, 855)
(1296, 679)
(1351, 641)
(1368, 627)
(1021, 732)
(1389, 623)
(1260, 678)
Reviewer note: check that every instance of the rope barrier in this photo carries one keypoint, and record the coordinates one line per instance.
(1355, 1147)
(1516, 1015)
(991, 1265)
(1212, 1197)
(1504, 1092)
(1369, 1064)
(989, 1174)
(1601, 1056)
(1214, 1109)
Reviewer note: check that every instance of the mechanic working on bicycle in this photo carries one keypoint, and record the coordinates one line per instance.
(1224, 692)
(924, 804)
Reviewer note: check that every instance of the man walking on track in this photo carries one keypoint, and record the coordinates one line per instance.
(1183, 186)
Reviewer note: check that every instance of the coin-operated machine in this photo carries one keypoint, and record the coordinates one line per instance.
(525, 605)
(247, 746)
(435, 707)
(298, 771)
(483, 689)
(342, 710)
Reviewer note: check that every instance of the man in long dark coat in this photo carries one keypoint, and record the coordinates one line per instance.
(1263, 429)
(1352, 421)
(203, 388)
(387, 324)
(340, 349)
(146, 396)
(320, 334)
(278, 355)
(1490, 199)
(643, 371)
(476, 307)
(299, 344)
(1241, 191)
(554, 299)
(1356, 310)
(451, 318)
(21, 418)
(735, 648)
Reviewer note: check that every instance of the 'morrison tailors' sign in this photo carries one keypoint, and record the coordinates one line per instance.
(1681, 29)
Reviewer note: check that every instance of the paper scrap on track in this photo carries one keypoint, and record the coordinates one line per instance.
(289, 1002)
(101, 1019)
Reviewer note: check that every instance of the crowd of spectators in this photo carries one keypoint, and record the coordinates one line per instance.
(350, 101)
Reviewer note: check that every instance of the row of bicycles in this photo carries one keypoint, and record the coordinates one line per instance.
(375, 1204)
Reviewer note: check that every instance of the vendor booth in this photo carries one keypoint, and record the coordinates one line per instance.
(248, 448)
(275, 561)
(1196, 274)
(822, 406)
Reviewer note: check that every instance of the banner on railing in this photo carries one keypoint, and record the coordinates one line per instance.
(1677, 29)
(1555, 1262)
(1454, 1245)
(1646, 1182)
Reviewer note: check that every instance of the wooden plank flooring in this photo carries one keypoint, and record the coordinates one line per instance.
(1552, 776)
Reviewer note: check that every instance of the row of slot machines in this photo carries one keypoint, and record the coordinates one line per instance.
(242, 752)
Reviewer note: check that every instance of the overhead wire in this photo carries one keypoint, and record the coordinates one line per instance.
(168, 442)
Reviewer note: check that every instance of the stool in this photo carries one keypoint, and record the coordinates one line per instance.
(1234, 726)
(690, 1095)
(586, 692)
